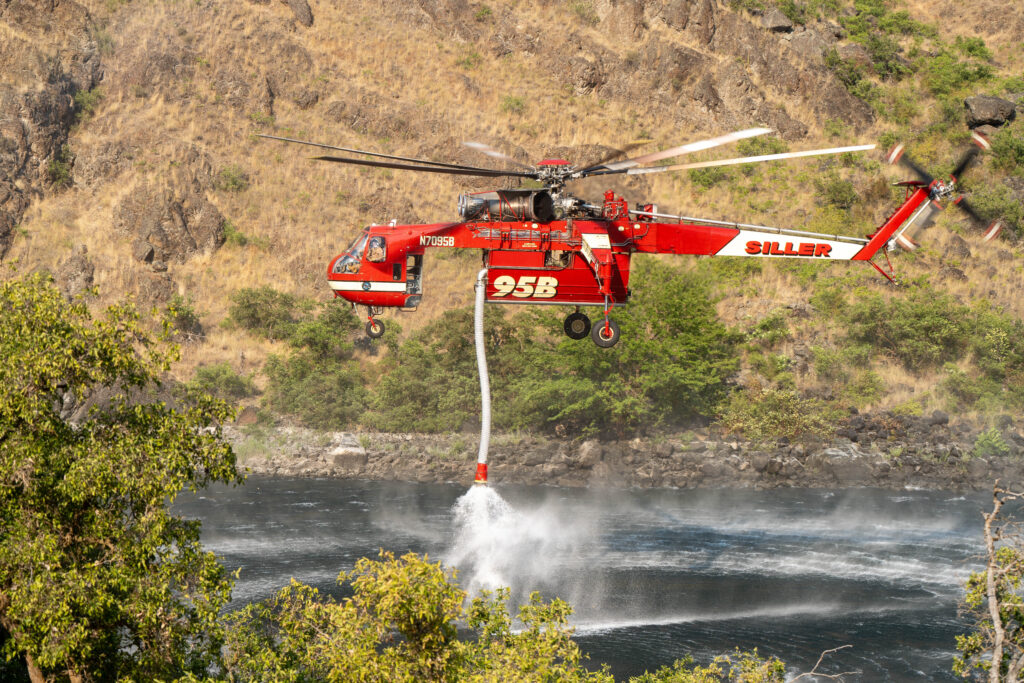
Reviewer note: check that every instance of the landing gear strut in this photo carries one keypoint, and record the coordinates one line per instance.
(606, 332)
(577, 325)
(374, 327)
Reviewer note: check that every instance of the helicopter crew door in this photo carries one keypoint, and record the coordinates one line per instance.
(413, 280)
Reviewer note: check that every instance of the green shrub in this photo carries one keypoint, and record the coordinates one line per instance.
(232, 178)
(264, 311)
(323, 394)
(835, 191)
(923, 330)
(886, 59)
(946, 73)
(221, 380)
(990, 444)
(1008, 149)
(86, 102)
(513, 104)
(973, 46)
(996, 200)
(182, 316)
(705, 178)
(58, 170)
(778, 413)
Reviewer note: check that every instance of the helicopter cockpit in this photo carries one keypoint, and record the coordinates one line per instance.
(349, 263)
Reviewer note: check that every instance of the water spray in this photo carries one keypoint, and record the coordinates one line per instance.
(485, 383)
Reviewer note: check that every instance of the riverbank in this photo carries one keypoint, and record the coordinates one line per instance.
(885, 450)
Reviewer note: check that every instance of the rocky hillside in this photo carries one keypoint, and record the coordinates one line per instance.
(129, 160)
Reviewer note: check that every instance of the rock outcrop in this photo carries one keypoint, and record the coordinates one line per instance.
(47, 45)
(885, 450)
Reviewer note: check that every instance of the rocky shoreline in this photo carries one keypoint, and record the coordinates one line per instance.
(885, 451)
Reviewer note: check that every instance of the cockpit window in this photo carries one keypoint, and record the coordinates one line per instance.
(349, 263)
(377, 251)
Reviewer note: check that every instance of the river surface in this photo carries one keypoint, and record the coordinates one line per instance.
(652, 575)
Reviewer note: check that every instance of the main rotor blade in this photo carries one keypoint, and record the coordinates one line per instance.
(482, 172)
(491, 152)
(688, 148)
(749, 160)
(372, 154)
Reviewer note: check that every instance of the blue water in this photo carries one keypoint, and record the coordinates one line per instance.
(652, 575)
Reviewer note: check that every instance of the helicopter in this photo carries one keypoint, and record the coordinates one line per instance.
(546, 246)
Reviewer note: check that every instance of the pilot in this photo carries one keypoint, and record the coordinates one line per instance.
(375, 252)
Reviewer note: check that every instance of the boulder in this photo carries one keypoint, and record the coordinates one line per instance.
(75, 275)
(300, 8)
(777, 22)
(589, 454)
(985, 109)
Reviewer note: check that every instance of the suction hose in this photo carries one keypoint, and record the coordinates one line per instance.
(485, 383)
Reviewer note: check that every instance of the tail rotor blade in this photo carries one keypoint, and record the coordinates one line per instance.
(966, 207)
(993, 230)
(965, 160)
(897, 156)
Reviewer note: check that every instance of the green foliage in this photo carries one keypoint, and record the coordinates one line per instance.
(796, 13)
(740, 667)
(973, 46)
(401, 623)
(319, 382)
(946, 73)
(1008, 149)
(996, 200)
(513, 104)
(264, 311)
(221, 380)
(761, 144)
(776, 413)
(58, 170)
(706, 178)
(990, 444)
(835, 191)
(997, 592)
(886, 59)
(483, 13)
(98, 581)
(670, 366)
(231, 178)
(86, 102)
(923, 330)
(182, 317)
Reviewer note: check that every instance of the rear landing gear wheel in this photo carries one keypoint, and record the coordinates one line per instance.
(374, 328)
(605, 338)
(577, 325)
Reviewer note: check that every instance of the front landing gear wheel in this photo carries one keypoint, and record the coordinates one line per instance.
(374, 328)
(577, 325)
(605, 337)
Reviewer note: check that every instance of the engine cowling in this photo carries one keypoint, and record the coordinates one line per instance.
(508, 205)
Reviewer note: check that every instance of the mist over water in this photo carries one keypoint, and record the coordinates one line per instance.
(651, 575)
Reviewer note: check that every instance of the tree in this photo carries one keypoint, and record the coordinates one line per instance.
(98, 581)
(995, 597)
(401, 624)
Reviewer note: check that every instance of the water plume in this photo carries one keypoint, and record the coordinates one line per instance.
(495, 545)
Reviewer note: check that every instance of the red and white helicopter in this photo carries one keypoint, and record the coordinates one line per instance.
(545, 246)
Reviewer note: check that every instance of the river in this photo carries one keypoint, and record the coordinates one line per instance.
(652, 575)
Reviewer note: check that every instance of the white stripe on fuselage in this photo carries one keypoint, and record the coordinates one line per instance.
(357, 286)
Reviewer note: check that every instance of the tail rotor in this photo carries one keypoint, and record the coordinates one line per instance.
(939, 190)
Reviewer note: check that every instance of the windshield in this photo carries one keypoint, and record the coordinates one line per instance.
(349, 263)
